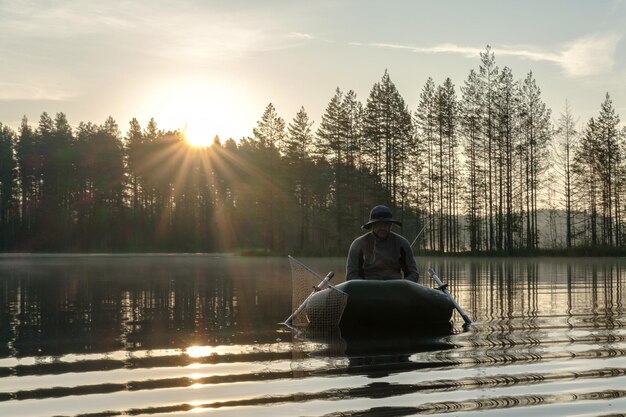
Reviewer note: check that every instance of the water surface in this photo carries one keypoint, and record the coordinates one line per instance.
(187, 334)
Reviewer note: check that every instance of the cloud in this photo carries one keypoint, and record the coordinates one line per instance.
(161, 29)
(300, 35)
(438, 49)
(18, 91)
(56, 46)
(591, 55)
(586, 56)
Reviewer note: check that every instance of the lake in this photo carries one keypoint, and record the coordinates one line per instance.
(108, 335)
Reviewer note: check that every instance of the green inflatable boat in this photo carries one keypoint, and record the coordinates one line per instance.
(377, 304)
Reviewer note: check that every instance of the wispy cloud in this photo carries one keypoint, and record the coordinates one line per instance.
(156, 29)
(300, 35)
(18, 91)
(589, 55)
(438, 49)
(78, 44)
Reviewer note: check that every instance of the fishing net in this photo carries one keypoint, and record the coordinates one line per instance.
(318, 346)
(324, 308)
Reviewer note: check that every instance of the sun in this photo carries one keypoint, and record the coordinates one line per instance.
(196, 136)
(200, 109)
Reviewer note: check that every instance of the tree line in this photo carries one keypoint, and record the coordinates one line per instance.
(481, 168)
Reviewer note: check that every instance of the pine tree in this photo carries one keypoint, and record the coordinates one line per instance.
(357, 175)
(444, 157)
(536, 135)
(609, 154)
(426, 133)
(8, 186)
(388, 138)
(85, 174)
(298, 146)
(587, 178)
(471, 128)
(332, 145)
(268, 140)
(488, 74)
(599, 170)
(507, 108)
(564, 154)
(133, 148)
(450, 116)
(29, 161)
(59, 160)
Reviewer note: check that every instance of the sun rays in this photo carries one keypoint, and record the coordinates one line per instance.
(198, 188)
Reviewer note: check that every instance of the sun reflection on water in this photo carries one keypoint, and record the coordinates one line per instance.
(196, 376)
(197, 406)
(199, 351)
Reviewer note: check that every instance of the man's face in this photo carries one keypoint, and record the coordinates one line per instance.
(381, 229)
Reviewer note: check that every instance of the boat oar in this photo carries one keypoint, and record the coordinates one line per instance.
(325, 283)
(444, 288)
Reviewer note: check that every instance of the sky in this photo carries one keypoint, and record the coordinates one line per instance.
(211, 67)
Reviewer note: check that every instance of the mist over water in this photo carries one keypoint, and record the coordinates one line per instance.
(180, 334)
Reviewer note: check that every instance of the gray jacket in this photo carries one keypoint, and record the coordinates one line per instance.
(373, 258)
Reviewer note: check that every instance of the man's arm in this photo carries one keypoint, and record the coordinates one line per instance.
(407, 262)
(353, 264)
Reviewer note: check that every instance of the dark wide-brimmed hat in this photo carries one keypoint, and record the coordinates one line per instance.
(380, 214)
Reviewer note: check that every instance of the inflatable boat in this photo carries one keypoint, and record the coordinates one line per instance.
(379, 304)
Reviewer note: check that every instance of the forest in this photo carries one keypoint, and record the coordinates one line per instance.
(483, 167)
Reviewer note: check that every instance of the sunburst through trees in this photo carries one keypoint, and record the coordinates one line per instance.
(482, 166)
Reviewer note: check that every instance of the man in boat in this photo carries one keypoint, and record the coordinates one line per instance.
(381, 254)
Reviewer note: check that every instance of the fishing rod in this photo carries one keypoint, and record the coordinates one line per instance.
(418, 235)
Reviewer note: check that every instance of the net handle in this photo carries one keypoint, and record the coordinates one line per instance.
(325, 283)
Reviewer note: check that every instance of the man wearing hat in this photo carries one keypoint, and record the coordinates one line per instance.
(380, 253)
